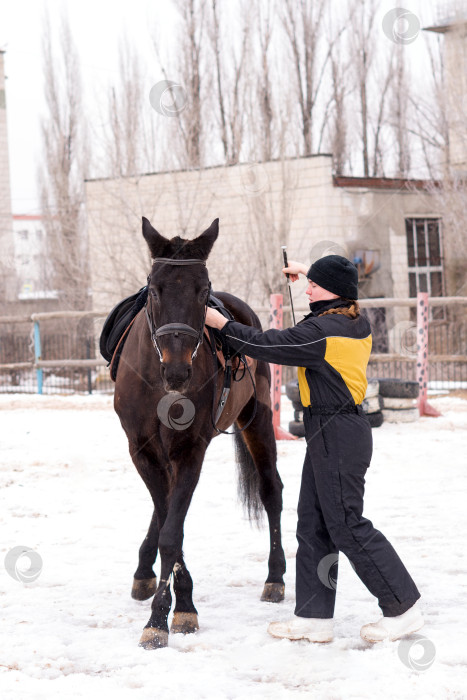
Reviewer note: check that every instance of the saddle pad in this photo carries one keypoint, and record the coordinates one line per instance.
(118, 321)
(118, 351)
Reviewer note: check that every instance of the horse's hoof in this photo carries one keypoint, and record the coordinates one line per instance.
(273, 592)
(184, 623)
(153, 638)
(144, 588)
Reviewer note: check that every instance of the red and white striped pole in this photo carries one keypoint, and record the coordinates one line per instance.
(422, 356)
(275, 321)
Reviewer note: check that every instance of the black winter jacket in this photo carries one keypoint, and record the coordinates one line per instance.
(331, 353)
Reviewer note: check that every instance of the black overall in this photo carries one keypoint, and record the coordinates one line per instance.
(332, 353)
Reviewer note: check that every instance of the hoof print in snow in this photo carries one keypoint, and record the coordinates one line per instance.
(184, 623)
(144, 588)
(273, 592)
(153, 638)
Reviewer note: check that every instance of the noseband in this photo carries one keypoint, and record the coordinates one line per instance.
(175, 328)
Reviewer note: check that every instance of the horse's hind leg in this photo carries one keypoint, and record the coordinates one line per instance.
(261, 443)
(185, 618)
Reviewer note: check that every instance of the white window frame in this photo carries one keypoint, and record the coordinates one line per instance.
(418, 270)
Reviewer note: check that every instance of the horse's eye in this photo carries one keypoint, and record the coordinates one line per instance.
(203, 296)
(154, 294)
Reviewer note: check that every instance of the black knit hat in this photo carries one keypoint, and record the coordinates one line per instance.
(335, 274)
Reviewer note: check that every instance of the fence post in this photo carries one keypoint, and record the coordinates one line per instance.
(38, 356)
(88, 357)
(275, 321)
(422, 356)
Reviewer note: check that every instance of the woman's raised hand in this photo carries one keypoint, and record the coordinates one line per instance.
(294, 269)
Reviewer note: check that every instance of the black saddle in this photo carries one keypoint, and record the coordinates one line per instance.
(118, 321)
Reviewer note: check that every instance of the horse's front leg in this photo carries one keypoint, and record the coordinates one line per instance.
(185, 619)
(156, 632)
(145, 581)
(153, 471)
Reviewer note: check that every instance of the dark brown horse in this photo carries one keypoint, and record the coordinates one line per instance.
(164, 394)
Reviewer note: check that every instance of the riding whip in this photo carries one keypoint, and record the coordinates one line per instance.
(284, 254)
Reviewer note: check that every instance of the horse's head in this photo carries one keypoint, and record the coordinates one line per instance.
(178, 292)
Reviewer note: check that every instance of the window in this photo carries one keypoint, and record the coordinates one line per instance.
(425, 260)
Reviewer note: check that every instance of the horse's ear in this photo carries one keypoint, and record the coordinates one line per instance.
(153, 238)
(208, 238)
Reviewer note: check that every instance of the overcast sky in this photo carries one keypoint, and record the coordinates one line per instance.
(97, 26)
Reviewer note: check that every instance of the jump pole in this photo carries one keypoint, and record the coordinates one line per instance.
(275, 321)
(38, 356)
(422, 356)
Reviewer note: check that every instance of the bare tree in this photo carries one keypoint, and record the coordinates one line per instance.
(65, 163)
(363, 53)
(124, 135)
(379, 160)
(265, 96)
(334, 125)
(188, 127)
(301, 21)
(430, 108)
(373, 73)
(399, 106)
(230, 84)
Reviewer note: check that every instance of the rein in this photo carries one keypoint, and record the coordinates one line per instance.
(177, 328)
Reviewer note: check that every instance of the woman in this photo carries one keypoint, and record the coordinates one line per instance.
(331, 347)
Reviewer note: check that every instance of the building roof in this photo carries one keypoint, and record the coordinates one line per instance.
(445, 26)
(382, 183)
(208, 167)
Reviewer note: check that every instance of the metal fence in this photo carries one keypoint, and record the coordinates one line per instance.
(57, 353)
(53, 353)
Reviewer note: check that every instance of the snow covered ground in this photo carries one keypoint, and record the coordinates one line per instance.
(70, 492)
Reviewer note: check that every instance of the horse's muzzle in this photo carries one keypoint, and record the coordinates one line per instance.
(176, 377)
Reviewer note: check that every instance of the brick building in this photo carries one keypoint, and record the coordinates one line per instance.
(7, 268)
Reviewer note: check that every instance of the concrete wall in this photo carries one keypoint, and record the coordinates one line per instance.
(261, 207)
(455, 48)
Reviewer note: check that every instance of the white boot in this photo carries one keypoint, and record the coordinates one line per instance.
(393, 628)
(313, 629)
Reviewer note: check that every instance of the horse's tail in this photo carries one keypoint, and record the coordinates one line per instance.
(248, 480)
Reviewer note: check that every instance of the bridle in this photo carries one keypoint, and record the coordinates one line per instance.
(175, 328)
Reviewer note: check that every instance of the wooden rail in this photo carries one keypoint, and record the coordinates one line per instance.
(53, 364)
(379, 302)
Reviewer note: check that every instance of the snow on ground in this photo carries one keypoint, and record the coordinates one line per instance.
(70, 492)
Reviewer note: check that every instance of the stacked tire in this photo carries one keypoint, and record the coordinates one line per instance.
(399, 398)
(386, 400)
(296, 426)
(372, 404)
